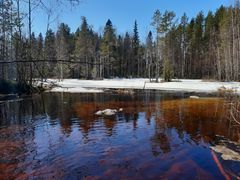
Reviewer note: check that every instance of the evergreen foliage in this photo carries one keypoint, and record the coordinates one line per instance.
(202, 47)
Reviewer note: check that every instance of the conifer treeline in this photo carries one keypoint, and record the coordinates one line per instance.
(201, 47)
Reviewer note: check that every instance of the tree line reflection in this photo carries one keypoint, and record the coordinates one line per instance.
(204, 116)
(172, 116)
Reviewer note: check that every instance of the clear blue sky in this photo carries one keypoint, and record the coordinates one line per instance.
(123, 13)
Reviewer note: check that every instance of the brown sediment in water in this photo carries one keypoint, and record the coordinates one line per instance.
(194, 106)
(149, 139)
(189, 114)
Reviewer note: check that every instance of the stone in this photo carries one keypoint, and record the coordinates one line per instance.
(194, 97)
(106, 112)
(98, 113)
(227, 154)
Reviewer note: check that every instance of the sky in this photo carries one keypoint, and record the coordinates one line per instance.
(123, 13)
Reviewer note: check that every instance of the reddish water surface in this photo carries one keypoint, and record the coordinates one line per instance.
(157, 136)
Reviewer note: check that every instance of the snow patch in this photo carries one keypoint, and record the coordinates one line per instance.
(96, 86)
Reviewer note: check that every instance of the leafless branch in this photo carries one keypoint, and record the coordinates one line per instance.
(49, 61)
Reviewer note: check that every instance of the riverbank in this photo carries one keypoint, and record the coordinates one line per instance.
(97, 86)
(8, 87)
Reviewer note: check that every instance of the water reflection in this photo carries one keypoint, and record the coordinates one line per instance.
(158, 135)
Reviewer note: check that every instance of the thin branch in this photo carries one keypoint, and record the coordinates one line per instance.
(49, 61)
(233, 118)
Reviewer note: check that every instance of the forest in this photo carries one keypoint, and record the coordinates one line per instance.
(119, 89)
(203, 47)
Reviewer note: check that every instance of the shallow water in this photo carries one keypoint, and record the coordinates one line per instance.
(158, 135)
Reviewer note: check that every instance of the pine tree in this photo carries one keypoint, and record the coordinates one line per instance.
(19, 49)
(198, 44)
(168, 32)
(83, 47)
(136, 47)
(156, 23)
(34, 67)
(191, 49)
(209, 44)
(40, 57)
(163, 24)
(7, 25)
(50, 52)
(120, 54)
(63, 40)
(149, 55)
(183, 44)
(127, 56)
(108, 49)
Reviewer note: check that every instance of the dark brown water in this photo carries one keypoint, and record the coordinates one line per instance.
(158, 135)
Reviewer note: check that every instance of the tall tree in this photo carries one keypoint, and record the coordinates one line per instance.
(82, 48)
(183, 43)
(163, 24)
(136, 49)
(50, 52)
(7, 24)
(168, 30)
(156, 23)
(198, 45)
(63, 40)
(127, 56)
(120, 54)
(149, 55)
(108, 48)
(40, 57)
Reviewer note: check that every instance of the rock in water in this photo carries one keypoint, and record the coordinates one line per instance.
(99, 113)
(194, 97)
(227, 154)
(106, 112)
(109, 112)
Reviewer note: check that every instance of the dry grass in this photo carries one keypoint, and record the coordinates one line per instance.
(232, 101)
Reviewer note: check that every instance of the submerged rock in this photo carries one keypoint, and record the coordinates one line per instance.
(125, 91)
(227, 154)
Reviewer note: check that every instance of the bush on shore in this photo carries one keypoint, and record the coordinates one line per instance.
(12, 87)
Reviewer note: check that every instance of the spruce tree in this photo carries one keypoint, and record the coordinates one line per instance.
(82, 45)
(108, 48)
(63, 49)
(149, 55)
(136, 45)
(50, 52)
(127, 56)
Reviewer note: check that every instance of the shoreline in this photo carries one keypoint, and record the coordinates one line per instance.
(181, 85)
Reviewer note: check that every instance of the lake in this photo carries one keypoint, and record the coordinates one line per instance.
(158, 135)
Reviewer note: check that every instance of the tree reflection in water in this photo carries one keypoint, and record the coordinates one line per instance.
(58, 135)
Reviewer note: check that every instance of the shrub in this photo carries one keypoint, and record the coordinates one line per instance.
(7, 87)
(12, 87)
(232, 103)
(167, 71)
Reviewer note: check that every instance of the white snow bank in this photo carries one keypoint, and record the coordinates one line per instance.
(76, 90)
(93, 86)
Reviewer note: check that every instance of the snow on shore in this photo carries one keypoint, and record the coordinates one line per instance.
(95, 86)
